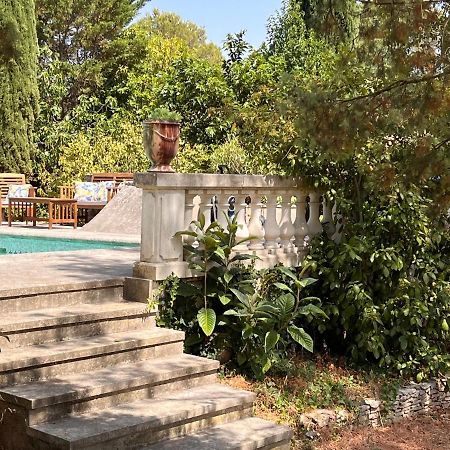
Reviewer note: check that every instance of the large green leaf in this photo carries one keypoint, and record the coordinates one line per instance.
(285, 304)
(287, 272)
(271, 340)
(312, 310)
(241, 297)
(306, 282)
(283, 287)
(207, 320)
(302, 337)
(224, 299)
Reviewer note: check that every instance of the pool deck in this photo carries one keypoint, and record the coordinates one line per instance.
(34, 272)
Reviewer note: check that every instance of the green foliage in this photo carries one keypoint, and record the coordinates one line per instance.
(253, 316)
(121, 77)
(79, 36)
(381, 112)
(169, 26)
(111, 146)
(387, 285)
(165, 115)
(198, 91)
(18, 85)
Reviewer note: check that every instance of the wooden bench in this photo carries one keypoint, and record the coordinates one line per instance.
(118, 177)
(89, 209)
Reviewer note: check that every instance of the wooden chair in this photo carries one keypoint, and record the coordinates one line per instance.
(6, 179)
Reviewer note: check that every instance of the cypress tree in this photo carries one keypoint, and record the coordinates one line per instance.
(18, 84)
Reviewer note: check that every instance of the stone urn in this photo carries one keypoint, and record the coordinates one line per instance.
(161, 139)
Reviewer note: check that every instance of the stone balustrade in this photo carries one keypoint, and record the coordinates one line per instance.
(280, 215)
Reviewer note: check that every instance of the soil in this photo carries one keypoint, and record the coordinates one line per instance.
(430, 432)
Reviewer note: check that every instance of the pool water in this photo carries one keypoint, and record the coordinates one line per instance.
(31, 244)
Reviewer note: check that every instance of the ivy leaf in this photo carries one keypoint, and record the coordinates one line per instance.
(207, 320)
(271, 340)
(302, 337)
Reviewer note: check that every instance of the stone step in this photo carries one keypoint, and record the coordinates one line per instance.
(53, 296)
(109, 386)
(146, 421)
(246, 434)
(71, 321)
(35, 362)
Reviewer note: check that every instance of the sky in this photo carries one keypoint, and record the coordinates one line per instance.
(220, 17)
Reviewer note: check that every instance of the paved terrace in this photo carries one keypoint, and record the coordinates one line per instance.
(35, 272)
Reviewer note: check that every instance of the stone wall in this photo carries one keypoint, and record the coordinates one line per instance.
(411, 400)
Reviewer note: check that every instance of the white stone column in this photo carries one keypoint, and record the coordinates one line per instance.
(255, 227)
(300, 225)
(327, 217)
(242, 231)
(161, 219)
(271, 227)
(314, 225)
(286, 228)
(205, 206)
(222, 208)
(189, 215)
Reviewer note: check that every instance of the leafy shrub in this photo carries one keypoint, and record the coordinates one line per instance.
(232, 155)
(387, 288)
(253, 317)
(164, 114)
(117, 148)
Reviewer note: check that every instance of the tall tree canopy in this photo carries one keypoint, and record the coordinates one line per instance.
(78, 36)
(379, 119)
(18, 85)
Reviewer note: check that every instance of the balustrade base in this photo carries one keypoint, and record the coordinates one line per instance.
(147, 276)
(160, 271)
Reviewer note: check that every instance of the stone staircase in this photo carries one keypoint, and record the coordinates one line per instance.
(85, 369)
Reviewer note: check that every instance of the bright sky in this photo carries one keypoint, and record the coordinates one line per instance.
(220, 17)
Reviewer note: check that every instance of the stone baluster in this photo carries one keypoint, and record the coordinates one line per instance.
(242, 231)
(300, 225)
(271, 227)
(314, 225)
(205, 206)
(287, 229)
(222, 208)
(327, 217)
(337, 236)
(189, 215)
(255, 227)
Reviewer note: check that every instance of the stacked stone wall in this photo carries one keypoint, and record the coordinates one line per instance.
(411, 400)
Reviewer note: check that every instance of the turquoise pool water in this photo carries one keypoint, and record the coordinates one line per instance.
(31, 244)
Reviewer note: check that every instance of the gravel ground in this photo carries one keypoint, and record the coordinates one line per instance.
(424, 433)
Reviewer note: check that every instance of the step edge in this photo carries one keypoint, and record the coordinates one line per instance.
(281, 434)
(164, 422)
(112, 388)
(36, 291)
(69, 320)
(91, 352)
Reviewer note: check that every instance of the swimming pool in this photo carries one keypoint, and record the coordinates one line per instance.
(32, 244)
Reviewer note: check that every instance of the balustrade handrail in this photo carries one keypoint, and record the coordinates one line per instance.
(161, 180)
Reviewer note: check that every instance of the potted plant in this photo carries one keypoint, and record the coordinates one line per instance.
(161, 138)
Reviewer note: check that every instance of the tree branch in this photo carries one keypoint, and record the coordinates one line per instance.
(395, 85)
